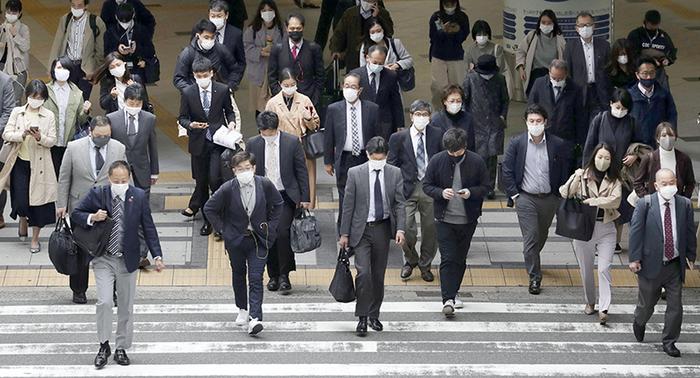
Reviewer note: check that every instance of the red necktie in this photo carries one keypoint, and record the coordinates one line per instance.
(294, 51)
(668, 233)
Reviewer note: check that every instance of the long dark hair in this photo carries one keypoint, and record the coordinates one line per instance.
(612, 67)
(458, 12)
(613, 171)
(369, 24)
(550, 14)
(103, 70)
(258, 22)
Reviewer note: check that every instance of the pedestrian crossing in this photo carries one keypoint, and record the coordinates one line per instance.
(318, 339)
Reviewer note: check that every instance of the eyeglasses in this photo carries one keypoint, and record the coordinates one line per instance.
(647, 74)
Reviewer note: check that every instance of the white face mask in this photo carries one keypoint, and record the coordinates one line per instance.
(366, 5)
(667, 192)
(482, 39)
(602, 164)
(289, 91)
(376, 164)
(376, 68)
(535, 129)
(77, 13)
(546, 29)
(585, 32)
(119, 189)
(350, 94)
(126, 25)
(376, 37)
(618, 113)
(667, 142)
(486, 77)
(118, 71)
(207, 44)
(35, 103)
(453, 108)
(119, 2)
(203, 82)
(132, 110)
(245, 177)
(622, 59)
(420, 122)
(559, 83)
(11, 18)
(267, 16)
(450, 10)
(61, 74)
(218, 22)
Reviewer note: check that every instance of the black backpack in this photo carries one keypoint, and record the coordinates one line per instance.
(93, 25)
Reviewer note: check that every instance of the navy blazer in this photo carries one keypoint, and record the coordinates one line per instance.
(227, 215)
(295, 176)
(335, 127)
(402, 155)
(647, 235)
(137, 214)
(387, 97)
(307, 68)
(576, 59)
(191, 110)
(566, 117)
(513, 166)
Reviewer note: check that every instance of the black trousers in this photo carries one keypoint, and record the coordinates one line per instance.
(280, 258)
(77, 76)
(206, 171)
(454, 241)
(347, 161)
(331, 11)
(57, 153)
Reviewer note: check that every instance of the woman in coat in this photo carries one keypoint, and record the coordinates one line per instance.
(28, 170)
(453, 114)
(258, 38)
(297, 115)
(449, 28)
(620, 68)
(114, 77)
(69, 109)
(539, 47)
(598, 183)
(375, 33)
(14, 35)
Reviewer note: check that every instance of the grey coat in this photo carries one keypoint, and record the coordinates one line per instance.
(7, 99)
(143, 154)
(253, 43)
(487, 102)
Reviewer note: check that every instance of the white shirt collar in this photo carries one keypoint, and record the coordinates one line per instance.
(276, 140)
(414, 132)
(583, 42)
(299, 44)
(127, 115)
(530, 139)
(208, 89)
(646, 92)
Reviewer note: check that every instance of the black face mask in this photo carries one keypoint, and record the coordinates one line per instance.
(296, 36)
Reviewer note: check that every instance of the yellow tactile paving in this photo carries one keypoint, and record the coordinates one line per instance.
(174, 177)
(2, 276)
(49, 277)
(487, 277)
(692, 278)
(153, 278)
(556, 277)
(189, 277)
(516, 277)
(392, 277)
(321, 277)
(466, 278)
(176, 202)
(326, 205)
(575, 276)
(21, 277)
(219, 277)
(623, 278)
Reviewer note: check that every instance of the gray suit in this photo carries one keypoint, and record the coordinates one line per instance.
(647, 247)
(8, 101)
(370, 241)
(142, 151)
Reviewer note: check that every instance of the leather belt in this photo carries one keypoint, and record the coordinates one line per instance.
(377, 223)
(669, 262)
(538, 195)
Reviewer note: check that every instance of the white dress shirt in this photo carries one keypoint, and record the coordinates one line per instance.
(272, 161)
(348, 122)
(590, 59)
(414, 140)
(62, 93)
(662, 210)
(298, 45)
(120, 92)
(668, 159)
(646, 92)
(371, 217)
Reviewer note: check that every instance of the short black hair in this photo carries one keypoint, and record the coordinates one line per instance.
(119, 164)
(454, 139)
(205, 25)
(420, 105)
(585, 14)
(125, 12)
(218, 6)
(134, 92)
(66, 63)
(379, 48)
(287, 74)
(623, 97)
(242, 157)
(99, 121)
(377, 145)
(536, 109)
(652, 16)
(267, 120)
(355, 75)
(201, 65)
(37, 87)
(298, 16)
(14, 6)
(645, 60)
(481, 27)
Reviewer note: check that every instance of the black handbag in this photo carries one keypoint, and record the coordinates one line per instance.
(152, 70)
(575, 219)
(305, 235)
(313, 142)
(342, 286)
(62, 250)
(407, 77)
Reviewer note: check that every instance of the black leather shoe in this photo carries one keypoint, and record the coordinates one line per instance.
(535, 287)
(218, 237)
(79, 298)
(427, 275)
(121, 358)
(205, 230)
(273, 284)
(376, 325)
(671, 350)
(491, 195)
(639, 331)
(406, 271)
(102, 356)
(285, 286)
(361, 329)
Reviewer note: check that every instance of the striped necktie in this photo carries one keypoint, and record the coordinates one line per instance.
(115, 237)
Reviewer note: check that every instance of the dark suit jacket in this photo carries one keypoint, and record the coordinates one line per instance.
(142, 37)
(647, 235)
(566, 117)
(307, 67)
(227, 215)
(109, 104)
(295, 177)
(137, 214)
(651, 163)
(387, 97)
(574, 56)
(143, 155)
(514, 163)
(475, 177)
(191, 110)
(336, 128)
(141, 14)
(402, 155)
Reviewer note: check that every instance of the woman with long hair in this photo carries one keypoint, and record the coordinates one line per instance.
(539, 47)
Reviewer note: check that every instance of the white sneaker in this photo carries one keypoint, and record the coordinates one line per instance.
(458, 302)
(449, 308)
(255, 326)
(242, 318)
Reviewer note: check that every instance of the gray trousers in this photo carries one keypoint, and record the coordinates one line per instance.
(109, 269)
(669, 278)
(603, 244)
(420, 203)
(535, 215)
(371, 255)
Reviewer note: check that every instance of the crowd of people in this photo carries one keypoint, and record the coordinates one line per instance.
(601, 127)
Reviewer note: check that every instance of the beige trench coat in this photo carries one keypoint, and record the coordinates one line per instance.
(607, 198)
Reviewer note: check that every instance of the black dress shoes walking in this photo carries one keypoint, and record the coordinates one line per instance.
(406, 271)
(427, 275)
(285, 286)
(121, 358)
(103, 355)
(273, 284)
(639, 331)
(671, 350)
(79, 298)
(376, 325)
(361, 329)
(535, 287)
(206, 229)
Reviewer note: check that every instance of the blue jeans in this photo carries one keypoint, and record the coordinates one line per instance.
(251, 255)
(454, 241)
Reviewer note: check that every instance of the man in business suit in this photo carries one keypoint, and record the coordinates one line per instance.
(8, 101)
(561, 98)
(246, 211)
(282, 161)
(662, 246)
(587, 57)
(128, 208)
(204, 108)
(373, 213)
(228, 35)
(85, 165)
(410, 150)
(382, 87)
(348, 124)
(458, 182)
(536, 164)
(304, 57)
(142, 15)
